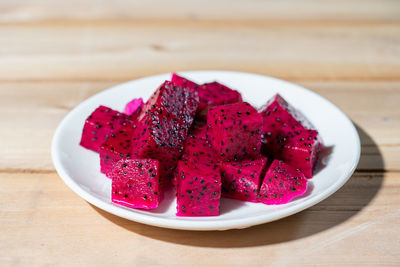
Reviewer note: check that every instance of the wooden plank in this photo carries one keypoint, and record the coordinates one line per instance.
(30, 112)
(44, 223)
(351, 10)
(121, 51)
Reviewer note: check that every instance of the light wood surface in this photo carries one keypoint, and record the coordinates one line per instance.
(55, 54)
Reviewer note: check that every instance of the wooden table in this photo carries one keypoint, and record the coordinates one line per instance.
(55, 54)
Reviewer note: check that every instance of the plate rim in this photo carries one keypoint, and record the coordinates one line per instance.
(197, 225)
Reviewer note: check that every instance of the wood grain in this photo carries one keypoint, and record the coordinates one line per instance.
(222, 10)
(55, 54)
(46, 224)
(119, 51)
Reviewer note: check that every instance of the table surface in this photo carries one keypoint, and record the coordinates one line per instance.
(55, 54)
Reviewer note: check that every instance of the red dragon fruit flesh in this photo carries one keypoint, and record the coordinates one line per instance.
(299, 148)
(241, 180)
(100, 125)
(234, 131)
(210, 94)
(197, 150)
(278, 114)
(183, 82)
(172, 101)
(198, 190)
(215, 94)
(133, 107)
(136, 183)
(115, 148)
(281, 184)
(164, 123)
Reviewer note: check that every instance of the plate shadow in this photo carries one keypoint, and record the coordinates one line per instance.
(326, 214)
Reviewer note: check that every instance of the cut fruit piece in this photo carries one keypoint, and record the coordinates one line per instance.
(116, 147)
(214, 94)
(134, 107)
(277, 115)
(281, 184)
(299, 149)
(234, 131)
(163, 126)
(183, 82)
(100, 125)
(197, 150)
(198, 190)
(172, 100)
(136, 183)
(241, 180)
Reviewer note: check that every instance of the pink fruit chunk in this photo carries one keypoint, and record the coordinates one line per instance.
(197, 150)
(299, 148)
(171, 100)
(214, 94)
(277, 115)
(133, 107)
(234, 131)
(183, 82)
(198, 190)
(210, 94)
(159, 139)
(281, 184)
(163, 126)
(136, 183)
(116, 147)
(100, 125)
(241, 180)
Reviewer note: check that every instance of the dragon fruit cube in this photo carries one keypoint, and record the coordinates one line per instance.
(281, 184)
(241, 180)
(278, 114)
(100, 125)
(198, 190)
(299, 149)
(183, 82)
(136, 183)
(234, 131)
(215, 94)
(116, 147)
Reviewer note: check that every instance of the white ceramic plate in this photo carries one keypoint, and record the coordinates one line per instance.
(79, 168)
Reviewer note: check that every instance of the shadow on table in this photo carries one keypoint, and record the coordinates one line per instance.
(325, 215)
